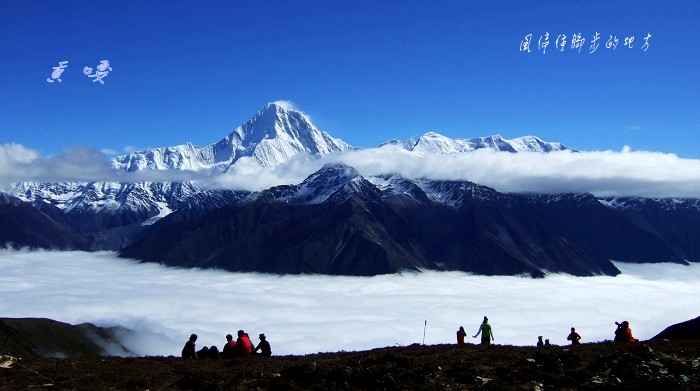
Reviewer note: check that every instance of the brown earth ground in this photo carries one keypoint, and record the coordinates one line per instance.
(657, 365)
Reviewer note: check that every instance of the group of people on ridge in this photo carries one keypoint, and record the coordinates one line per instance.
(241, 347)
(622, 334)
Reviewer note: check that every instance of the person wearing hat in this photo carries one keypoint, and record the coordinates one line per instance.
(263, 347)
(485, 331)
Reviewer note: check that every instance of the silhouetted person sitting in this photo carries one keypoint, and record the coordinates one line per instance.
(203, 352)
(214, 352)
(485, 331)
(189, 351)
(243, 345)
(539, 342)
(263, 346)
(460, 335)
(228, 350)
(623, 333)
(574, 337)
(546, 343)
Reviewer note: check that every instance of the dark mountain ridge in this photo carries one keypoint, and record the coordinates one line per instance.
(337, 222)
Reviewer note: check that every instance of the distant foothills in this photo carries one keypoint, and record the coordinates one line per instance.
(337, 221)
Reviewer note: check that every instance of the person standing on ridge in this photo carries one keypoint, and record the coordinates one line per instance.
(485, 331)
(460, 335)
(574, 337)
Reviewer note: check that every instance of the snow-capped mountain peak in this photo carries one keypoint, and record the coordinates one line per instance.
(274, 135)
(334, 182)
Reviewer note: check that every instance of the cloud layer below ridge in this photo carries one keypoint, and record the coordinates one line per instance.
(312, 313)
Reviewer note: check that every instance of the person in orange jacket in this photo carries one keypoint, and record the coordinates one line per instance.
(460, 335)
(243, 345)
(623, 333)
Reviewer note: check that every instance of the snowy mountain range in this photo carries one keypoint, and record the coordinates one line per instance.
(336, 221)
(432, 142)
(273, 136)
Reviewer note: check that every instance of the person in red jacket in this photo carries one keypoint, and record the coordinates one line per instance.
(624, 333)
(243, 345)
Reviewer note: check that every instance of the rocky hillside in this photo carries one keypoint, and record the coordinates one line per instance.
(659, 365)
(39, 337)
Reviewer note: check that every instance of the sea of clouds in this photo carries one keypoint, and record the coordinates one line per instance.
(601, 173)
(312, 313)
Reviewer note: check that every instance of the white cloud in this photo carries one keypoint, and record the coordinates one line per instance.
(602, 173)
(307, 314)
(247, 174)
(18, 163)
(15, 154)
(286, 104)
(109, 152)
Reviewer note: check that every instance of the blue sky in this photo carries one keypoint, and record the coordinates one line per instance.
(365, 71)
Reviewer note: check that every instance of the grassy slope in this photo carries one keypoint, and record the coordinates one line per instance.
(25, 337)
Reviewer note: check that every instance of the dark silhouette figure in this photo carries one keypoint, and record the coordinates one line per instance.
(189, 350)
(214, 352)
(546, 343)
(623, 333)
(539, 342)
(228, 350)
(243, 345)
(460, 335)
(574, 337)
(263, 346)
(485, 331)
(203, 352)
